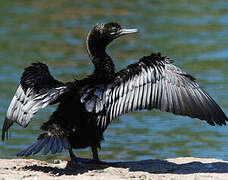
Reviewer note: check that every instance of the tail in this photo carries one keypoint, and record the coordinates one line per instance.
(6, 125)
(54, 144)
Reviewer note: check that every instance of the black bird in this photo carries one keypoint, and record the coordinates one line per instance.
(86, 107)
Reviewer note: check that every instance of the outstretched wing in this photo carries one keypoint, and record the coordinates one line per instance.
(153, 82)
(37, 89)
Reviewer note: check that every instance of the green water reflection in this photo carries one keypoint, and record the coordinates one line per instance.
(194, 33)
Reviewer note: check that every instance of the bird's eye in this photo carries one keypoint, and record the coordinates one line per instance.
(114, 29)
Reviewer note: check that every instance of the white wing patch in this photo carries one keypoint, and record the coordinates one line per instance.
(94, 98)
(25, 104)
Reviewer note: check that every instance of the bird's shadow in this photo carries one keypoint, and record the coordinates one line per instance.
(150, 166)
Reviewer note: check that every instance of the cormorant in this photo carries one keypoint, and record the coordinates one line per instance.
(86, 107)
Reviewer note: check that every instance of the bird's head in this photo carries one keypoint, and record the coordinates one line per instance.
(110, 31)
(103, 34)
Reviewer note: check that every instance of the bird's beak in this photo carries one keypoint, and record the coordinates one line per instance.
(128, 31)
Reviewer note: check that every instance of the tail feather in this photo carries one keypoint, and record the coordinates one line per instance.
(66, 144)
(48, 146)
(42, 143)
(26, 152)
(54, 144)
(60, 145)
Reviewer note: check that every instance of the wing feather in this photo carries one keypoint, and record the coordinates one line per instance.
(154, 82)
(37, 89)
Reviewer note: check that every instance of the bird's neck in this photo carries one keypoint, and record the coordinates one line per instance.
(104, 68)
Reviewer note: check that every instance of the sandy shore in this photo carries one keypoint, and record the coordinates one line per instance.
(187, 168)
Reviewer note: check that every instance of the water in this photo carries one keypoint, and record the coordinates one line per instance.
(194, 33)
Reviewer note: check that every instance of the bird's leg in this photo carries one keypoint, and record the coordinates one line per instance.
(72, 156)
(74, 160)
(96, 159)
(95, 154)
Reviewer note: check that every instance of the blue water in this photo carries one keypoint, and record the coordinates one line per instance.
(194, 33)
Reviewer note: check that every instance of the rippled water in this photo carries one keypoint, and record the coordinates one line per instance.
(194, 33)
